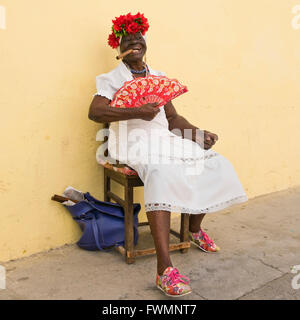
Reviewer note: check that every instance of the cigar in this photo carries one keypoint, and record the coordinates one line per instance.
(124, 54)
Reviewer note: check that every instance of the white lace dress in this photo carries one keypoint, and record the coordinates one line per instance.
(178, 175)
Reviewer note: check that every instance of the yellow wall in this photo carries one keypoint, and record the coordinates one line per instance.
(239, 59)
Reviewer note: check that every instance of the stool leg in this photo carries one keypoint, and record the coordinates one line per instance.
(129, 238)
(184, 230)
(106, 185)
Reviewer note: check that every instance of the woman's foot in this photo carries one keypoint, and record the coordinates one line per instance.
(203, 241)
(172, 283)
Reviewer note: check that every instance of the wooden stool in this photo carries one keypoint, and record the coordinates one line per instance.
(129, 182)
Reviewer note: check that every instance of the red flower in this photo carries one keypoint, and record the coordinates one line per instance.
(140, 17)
(113, 41)
(117, 27)
(119, 21)
(133, 28)
(142, 21)
(128, 19)
(127, 24)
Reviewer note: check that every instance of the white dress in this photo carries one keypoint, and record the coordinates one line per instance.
(178, 175)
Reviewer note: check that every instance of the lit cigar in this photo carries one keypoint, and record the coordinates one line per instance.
(124, 54)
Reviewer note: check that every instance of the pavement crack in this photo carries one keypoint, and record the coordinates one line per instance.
(263, 285)
(200, 295)
(266, 264)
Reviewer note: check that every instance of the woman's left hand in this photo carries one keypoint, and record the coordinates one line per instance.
(209, 139)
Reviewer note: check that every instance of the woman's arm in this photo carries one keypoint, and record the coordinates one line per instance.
(177, 121)
(100, 111)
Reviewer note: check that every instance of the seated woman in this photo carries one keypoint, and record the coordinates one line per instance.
(167, 185)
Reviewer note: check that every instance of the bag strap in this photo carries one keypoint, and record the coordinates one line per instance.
(89, 197)
(80, 209)
(96, 208)
(91, 200)
(96, 234)
(96, 230)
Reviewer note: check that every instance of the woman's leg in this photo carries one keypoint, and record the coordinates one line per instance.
(195, 222)
(159, 222)
(198, 236)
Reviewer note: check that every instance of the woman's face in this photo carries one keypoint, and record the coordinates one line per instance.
(135, 42)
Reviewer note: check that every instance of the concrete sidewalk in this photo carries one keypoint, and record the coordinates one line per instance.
(259, 240)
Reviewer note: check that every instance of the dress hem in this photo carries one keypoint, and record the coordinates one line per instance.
(174, 208)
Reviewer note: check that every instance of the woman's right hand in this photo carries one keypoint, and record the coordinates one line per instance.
(148, 111)
(101, 111)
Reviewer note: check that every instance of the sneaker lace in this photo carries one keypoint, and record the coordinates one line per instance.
(207, 239)
(175, 277)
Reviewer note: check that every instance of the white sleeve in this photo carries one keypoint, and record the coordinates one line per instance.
(104, 87)
(161, 73)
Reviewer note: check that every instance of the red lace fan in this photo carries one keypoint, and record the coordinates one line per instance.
(140, 91)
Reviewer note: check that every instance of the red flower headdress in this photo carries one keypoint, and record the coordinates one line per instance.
(127, 24)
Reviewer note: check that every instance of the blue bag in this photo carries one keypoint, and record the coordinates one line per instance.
(102, 223)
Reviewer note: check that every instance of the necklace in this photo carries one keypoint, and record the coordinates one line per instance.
(138, 71)
(133, 72)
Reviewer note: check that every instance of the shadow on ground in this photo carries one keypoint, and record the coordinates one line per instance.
(259, 242)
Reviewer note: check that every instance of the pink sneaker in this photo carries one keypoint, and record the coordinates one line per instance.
(172, 283)
(203, 241)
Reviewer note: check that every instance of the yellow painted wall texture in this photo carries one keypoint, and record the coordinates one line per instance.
(239, 59)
